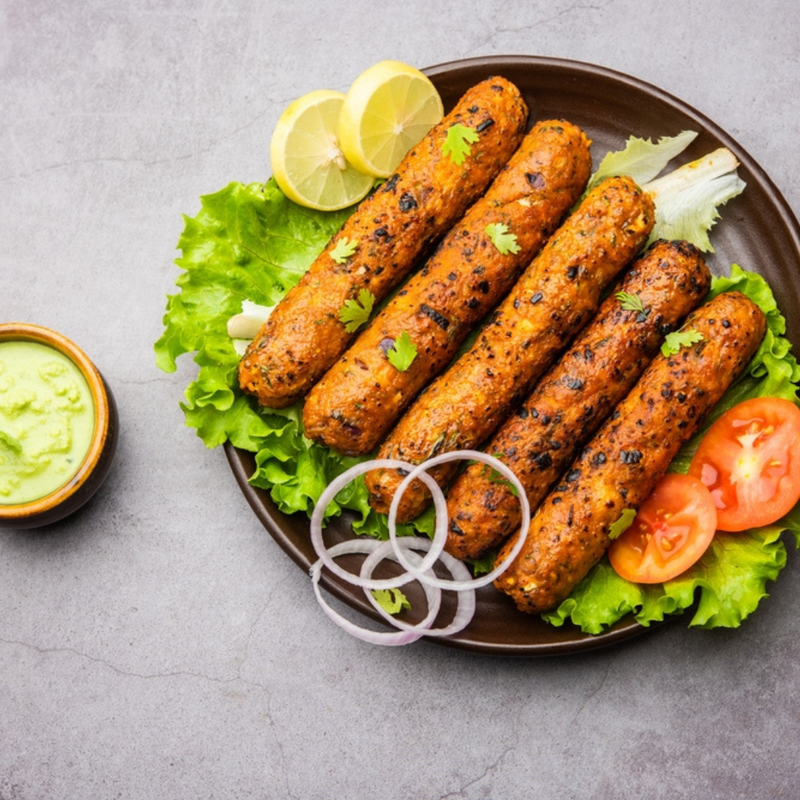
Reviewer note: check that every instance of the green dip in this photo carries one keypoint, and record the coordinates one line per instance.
(46, 420)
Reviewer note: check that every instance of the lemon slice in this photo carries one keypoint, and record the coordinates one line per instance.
(387, 110)
(307, 162)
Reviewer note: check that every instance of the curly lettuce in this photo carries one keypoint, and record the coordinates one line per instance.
(249, 243)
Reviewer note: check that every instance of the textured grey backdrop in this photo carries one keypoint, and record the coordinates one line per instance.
(159, 644)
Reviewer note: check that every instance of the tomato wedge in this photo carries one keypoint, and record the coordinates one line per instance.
(750, 461)
(671, 531)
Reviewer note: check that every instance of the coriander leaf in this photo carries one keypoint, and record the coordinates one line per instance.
(355, 315)
(496, 477)
(631, 302)
(504, 241)
(456, 143)
(392, 601)
(343, 249)
(624, 522)
(402, 353)
(677, 339)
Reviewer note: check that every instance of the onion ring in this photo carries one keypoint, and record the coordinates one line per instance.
(420, 472)
(402, 550)
(406, 633)
(335, 486)
(465, 598)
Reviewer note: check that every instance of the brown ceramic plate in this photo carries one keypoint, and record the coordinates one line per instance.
(758, 231)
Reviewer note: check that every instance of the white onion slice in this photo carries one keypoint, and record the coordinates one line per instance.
(335, 486)
(402, 551)
(420, 472)
(406, 633)
(465, 609)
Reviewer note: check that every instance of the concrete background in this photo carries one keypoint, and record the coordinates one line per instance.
(159, 644)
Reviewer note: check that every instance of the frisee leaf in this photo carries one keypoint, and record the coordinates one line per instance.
(343, 249)
(500, 237)
(392, 601)
(631, 302)
(677, 339)
(457, 142)
(641, 159)
(402, 353)
(687, 198)
(626, 518)
(354, 313)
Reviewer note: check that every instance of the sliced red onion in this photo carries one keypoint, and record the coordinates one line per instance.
(335, 486)
(402, 551)
(440, 536)
(407, 633)
(465, 609)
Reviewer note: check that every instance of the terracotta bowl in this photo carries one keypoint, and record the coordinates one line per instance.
(92, 471)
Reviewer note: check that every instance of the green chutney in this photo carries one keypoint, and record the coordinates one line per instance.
(46, 420)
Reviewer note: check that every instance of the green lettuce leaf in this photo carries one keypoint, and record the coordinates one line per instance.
(729, 581)
(724, 587)
(687, 198)
(250, 243)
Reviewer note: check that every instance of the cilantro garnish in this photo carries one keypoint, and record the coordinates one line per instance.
(496, 477)
(392, 601)
(504, 241)
(631, 302)
(354, 315)
(402, 352)
(457, 141)
(624, 522)
(677, 339)
(343, 249)
(493, 476)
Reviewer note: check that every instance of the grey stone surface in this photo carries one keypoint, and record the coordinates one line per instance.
(159, 644)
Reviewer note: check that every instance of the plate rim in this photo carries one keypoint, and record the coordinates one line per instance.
(626, 628)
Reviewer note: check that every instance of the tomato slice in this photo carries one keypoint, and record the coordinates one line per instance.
(671, 531)
(750, 462)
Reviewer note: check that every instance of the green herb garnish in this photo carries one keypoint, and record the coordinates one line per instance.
(677, 339)
(392, 601)
(457, 142)
(631, 302)
(343, 249)
(624, 522)
(402, 353)
(504, 241)
(354, 313)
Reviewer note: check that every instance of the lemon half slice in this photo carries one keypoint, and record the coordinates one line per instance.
(307, 161)
(387, 111)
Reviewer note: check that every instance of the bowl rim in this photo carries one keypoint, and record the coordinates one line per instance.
(24, 331)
